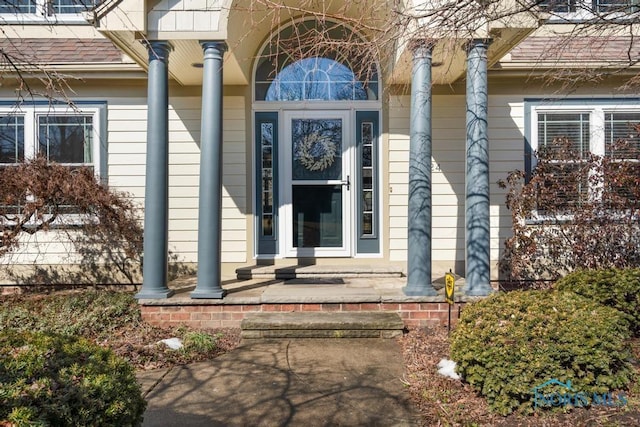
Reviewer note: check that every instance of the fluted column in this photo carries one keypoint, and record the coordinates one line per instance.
(477, 219)
(156, 195)
(419, 281)
(210, 207)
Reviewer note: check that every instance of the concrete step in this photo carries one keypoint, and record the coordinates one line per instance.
(362, 324)
(317, 271)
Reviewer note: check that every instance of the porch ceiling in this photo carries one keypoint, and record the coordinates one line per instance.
(247, 25)
(185, 59)
(450, 55)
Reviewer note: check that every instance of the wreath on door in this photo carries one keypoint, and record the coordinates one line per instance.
(317, 152)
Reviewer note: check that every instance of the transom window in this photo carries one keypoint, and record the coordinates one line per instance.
(302, 63)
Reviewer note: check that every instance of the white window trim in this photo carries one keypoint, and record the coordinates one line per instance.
(596, 134)
(40, 16)
(585, 12)
(31, 114)
(596, 122)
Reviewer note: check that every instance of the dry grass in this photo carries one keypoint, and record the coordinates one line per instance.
(446, 402)
(113, 320)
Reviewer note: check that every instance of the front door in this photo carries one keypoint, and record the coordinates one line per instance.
(317, 183)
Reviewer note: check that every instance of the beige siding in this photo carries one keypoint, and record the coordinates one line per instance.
(126, 133)
(506, 129)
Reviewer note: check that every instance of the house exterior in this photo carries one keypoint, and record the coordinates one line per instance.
(255, 132)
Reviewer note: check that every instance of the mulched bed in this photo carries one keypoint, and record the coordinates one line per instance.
(141, 348)
(444, 401)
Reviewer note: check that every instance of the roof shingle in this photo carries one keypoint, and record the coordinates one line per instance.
(60, 51)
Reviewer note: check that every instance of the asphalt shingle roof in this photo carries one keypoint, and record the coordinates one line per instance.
(577, 49)
(60, 51)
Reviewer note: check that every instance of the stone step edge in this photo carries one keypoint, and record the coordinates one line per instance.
(315, 275)
(331, 321)
(323, 333)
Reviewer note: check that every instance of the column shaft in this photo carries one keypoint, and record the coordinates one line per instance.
(210, 207)
(477, 222)
(156, 196)
(419, 281)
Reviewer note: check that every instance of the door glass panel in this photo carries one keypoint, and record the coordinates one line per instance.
(317, 149)
(317, 216)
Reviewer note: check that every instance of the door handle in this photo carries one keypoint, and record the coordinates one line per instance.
(347, 183)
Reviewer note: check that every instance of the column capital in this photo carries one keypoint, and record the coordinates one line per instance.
(213, 48)
(158, 49)
(474, 43)
(422, 48)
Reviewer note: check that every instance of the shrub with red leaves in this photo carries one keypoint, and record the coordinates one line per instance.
(574, 211)
(102, 225)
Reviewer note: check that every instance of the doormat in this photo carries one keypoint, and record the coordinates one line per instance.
(312, 281)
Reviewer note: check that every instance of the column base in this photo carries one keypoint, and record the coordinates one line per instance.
(160, 294)
(420, 291)
(482, 290)
(213, 294)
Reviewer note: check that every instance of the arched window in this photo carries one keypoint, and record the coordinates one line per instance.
(308, 61)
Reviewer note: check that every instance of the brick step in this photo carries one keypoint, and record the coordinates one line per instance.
(316, 272)
(362, 324)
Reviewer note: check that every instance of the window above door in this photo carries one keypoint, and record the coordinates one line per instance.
(312, 61)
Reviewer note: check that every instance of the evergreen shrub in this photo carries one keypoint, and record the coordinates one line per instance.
(50, 379)
(617, 288)
(510, 343)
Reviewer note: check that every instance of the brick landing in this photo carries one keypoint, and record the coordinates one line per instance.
(346, 295)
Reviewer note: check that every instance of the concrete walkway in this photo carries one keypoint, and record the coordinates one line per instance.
(300, 382)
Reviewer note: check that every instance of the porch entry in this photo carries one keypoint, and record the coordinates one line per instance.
(317, 183)
(317, 198)
(316, 143)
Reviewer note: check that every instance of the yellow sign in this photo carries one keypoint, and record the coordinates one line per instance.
(449, 287)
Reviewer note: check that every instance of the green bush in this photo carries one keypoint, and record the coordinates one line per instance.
(617, 288)
(95, 314)
(510, 343)
(49, 379)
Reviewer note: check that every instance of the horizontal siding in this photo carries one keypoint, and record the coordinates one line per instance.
(506, 129)
(126, 133)
(127, 157)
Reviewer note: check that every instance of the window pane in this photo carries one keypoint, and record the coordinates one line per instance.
(622, 6)
(565, 186)
(556, 128)
(560, 6)
(11, 139)
(367, 185)
(298, 65)
(266, 142)
(622, 134)
(17, 6)
(317, 149)
(71, 6)
(563, 139)
(622, 165)
(66, 139)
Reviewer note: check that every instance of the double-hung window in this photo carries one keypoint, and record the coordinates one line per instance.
(589, 9)
(608, 131)
(45, 10)
(71, 137)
